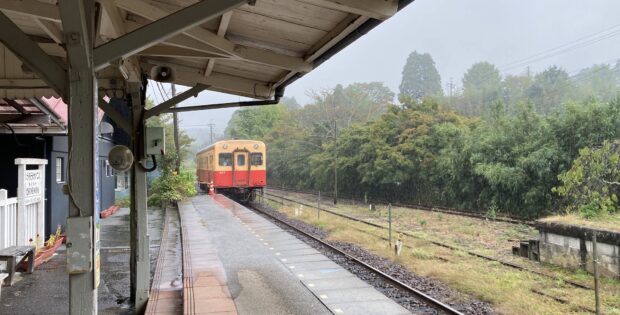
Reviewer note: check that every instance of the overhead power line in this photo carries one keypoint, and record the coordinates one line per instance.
(570, 45)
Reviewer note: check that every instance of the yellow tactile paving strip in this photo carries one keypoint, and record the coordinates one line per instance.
(205, 289)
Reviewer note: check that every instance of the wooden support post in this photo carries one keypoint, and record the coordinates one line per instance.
(78, 23)
(596, 280)
(175, 123)
(138, 227)
(318, 206)
(390, 222)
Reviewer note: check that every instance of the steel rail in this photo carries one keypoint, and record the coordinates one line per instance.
(446, 210)
(505, 263)
(395, 282)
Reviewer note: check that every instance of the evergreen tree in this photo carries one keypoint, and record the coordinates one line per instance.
(481, 87)
(420, 78)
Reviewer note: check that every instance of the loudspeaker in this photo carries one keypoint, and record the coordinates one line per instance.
(162, 74)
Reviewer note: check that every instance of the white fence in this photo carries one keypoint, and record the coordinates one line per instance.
(22, 218)
(8, 220)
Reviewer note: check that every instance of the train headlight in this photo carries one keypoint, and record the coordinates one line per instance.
(225, 146)
(256, 146)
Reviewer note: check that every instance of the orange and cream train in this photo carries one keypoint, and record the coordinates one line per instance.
(233, 167)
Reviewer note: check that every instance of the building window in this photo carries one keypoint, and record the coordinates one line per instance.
(256, 159)
(121, 181)
(109, 171)
(241, 160)
(225, 159)
(60, 170)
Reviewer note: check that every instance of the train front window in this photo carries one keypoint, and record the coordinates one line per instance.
(240, 160)
(225, 159)
(256, 159)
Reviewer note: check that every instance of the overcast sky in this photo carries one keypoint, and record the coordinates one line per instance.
(457, 33)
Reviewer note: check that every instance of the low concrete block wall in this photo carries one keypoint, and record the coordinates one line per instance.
(571, 247)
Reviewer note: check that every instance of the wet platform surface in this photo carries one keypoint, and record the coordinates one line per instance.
(166, 295)
(266, 270)
(48, 286)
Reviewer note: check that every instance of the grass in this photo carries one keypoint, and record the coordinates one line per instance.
(509, 290)
(606, 221)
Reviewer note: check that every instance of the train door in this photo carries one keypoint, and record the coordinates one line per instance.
(241, 169)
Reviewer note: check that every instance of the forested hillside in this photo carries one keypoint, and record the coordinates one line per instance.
(500, 143)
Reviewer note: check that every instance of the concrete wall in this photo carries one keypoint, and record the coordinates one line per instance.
(571, 247)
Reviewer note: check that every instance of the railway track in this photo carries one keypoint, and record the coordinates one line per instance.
(434, 303)
(464, 213)
(451, 247)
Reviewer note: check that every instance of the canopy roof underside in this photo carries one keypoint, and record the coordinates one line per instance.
(251, 50)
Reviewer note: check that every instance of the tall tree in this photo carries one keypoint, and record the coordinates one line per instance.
(515, 91)
(551, 89)
(290, 102)
(481, 87)
(254, 123)
(420, 78)
(597, 81)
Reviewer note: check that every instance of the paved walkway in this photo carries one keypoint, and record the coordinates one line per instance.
(266, 270)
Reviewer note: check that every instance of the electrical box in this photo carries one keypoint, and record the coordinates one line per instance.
(79, 244)
(154, 141)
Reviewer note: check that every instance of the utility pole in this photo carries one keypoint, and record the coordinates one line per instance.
(175, 122)
(211, 130)
(451, 90)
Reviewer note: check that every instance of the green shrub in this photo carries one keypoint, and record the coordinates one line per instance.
(171, 187)
(492, 211)
(591, 187)
(123, 202)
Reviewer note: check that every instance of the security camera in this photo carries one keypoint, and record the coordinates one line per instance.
(120, 158)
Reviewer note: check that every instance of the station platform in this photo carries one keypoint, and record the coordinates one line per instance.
(237, 262)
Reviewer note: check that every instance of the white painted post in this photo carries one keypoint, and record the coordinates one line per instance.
(3, 219)
(30, 193)
(41, 203)
(21, 205)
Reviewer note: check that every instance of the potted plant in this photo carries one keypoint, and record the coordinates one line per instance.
(44, 253)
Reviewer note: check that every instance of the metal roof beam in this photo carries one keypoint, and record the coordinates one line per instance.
(161, 29)
(32, 55)
(155, 111)
(376, 9)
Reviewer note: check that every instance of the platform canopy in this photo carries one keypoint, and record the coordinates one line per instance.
(246, 48)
